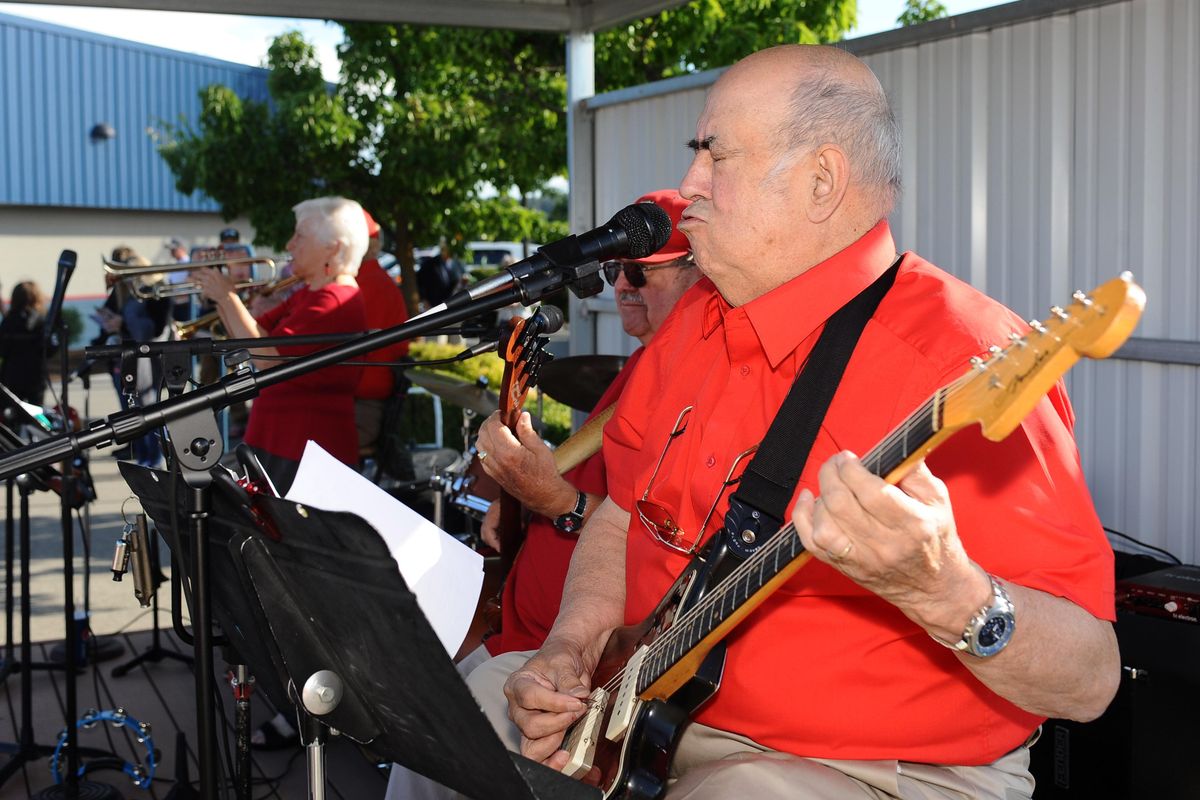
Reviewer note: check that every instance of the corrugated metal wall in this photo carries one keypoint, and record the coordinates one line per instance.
(1042, 155)
(57, 83)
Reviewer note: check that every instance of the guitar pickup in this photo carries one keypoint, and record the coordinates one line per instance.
(583, 736)
(626, 702)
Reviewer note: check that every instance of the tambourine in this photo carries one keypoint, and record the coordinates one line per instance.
(142, 774)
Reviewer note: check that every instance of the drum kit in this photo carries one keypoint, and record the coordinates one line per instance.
(576, 381)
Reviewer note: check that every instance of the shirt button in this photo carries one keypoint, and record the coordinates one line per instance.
(710, 462)
(745, 369)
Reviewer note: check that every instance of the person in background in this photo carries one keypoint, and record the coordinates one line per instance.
(327, 247)
(126, 317)
(181, 307)
(385, 309)
(646, 290)
(23, 348)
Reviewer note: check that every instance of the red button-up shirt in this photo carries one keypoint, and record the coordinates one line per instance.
(825, 668)
(534, 587)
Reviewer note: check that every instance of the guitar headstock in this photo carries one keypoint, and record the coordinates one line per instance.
(523, 348)
(1000, 390)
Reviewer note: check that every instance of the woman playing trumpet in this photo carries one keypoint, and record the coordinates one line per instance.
(329, 241)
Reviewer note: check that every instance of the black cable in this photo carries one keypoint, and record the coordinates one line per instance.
(1174, 558)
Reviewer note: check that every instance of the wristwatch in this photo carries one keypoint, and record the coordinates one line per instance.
(990, 630)
(572, 521)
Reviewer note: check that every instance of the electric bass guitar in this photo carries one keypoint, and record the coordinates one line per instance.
(523, 348)
(653, 676)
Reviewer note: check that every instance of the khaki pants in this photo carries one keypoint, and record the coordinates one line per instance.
(712, 764)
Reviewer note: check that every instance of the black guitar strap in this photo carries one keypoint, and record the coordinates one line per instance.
(756, 510)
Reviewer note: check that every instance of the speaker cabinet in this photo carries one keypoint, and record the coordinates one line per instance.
(1146, 746)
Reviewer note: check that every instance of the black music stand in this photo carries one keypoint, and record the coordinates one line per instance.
(330, 599)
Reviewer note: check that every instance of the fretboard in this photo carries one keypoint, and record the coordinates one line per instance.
(696, 623)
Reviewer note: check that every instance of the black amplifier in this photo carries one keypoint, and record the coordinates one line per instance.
(1171, 593)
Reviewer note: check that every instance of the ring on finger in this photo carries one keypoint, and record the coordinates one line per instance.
(845, 551)
(482, 454)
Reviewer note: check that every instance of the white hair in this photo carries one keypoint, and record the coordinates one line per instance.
(336, 219)
(854, 114)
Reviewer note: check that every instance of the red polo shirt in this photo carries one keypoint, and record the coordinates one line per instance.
(385, 309)
(825, 668)
(319, 405)
(534, 587)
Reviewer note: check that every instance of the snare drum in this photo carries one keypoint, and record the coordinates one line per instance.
(474, 491)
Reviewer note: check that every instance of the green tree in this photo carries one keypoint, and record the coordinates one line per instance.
(705, 34)
(445, 131)
(917, 11)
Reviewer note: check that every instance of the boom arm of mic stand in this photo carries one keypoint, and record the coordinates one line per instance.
(127, 425)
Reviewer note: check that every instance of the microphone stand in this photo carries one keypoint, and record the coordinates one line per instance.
(190, 420)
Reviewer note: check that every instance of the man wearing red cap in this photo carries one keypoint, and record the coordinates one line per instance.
(646, 291)
(385, 309)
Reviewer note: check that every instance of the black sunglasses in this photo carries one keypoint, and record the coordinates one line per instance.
(635, 273)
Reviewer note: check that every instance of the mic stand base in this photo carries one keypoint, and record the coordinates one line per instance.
(87, 790)
(98, 649)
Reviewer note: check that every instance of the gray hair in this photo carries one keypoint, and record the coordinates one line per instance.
(831, 107)
(336, 219)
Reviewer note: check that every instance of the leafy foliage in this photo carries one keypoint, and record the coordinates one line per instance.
(445, 131)
(705, 34)
(556, 417)
(917, 11)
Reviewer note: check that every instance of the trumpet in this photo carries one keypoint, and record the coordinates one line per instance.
(147, 281)
(209, 321)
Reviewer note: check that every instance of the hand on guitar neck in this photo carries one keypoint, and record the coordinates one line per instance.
(524, 466)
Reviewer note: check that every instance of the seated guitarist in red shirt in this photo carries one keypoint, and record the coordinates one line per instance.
(942, 619)
(646, 291)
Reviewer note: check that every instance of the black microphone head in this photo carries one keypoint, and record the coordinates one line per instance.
(551, 318)
(67, 259)
(646, 226)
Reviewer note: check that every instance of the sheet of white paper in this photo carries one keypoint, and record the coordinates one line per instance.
(444, 574)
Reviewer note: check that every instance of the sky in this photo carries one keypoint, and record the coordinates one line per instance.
(245, 39)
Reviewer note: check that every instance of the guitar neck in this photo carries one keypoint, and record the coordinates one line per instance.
(759, 575)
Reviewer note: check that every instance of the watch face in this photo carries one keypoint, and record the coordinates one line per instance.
(994, 634)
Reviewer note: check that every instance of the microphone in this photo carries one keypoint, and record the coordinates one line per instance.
(636, 231)
(66, 266)
(547, 319)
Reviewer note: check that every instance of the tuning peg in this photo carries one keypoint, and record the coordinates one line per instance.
(1058, 312)
(978, 363)
(996, 350)
(1037, 326)
(1016, 339)
(1081, 298)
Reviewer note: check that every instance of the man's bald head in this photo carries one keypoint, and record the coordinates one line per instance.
(832, 98)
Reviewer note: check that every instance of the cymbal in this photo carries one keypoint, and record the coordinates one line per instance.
(579, 381)
(456, 392)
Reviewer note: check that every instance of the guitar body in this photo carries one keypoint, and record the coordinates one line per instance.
(636, 764)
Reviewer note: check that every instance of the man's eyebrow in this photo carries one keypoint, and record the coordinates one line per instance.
(696, 145)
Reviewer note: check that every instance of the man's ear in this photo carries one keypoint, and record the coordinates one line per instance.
(830, 178)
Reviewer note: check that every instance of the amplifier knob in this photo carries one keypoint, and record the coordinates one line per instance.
(1171, 606)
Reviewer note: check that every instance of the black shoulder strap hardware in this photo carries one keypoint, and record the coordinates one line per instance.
(756, 510)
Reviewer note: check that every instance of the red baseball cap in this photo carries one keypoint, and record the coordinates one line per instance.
(678, 245)
(372, 225)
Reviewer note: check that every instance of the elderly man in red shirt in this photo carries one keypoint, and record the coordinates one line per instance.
(872, 671)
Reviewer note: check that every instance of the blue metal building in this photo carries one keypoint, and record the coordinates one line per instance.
(58, 84)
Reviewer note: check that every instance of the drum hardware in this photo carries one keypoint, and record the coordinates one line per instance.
(468, 396)
(580, 381)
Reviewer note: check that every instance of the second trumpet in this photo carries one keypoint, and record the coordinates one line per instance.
(148, 282)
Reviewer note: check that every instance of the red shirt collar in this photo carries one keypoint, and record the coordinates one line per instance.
(784, 317)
